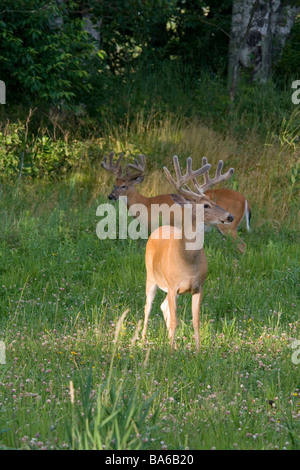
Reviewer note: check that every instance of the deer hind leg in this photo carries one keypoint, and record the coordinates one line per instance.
(172, 301)
(196, 302)
(233, 232)
(151, 289)
(166, 311)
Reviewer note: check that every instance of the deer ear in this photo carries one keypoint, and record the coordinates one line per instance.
(138, 179)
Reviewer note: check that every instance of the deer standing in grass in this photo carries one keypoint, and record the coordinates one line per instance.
(235, 203)
(170, 265)
(125, 185)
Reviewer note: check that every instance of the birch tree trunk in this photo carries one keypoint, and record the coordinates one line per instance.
(93, 29)
(259, 30)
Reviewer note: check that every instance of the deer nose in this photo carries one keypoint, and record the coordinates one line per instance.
(230, 218)
(111, 197)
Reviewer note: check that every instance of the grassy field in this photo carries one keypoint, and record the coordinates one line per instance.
(71, 306)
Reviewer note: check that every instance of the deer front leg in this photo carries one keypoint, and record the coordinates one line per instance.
(166, 311)
(151, 289)
(196, 302)
(172, 301)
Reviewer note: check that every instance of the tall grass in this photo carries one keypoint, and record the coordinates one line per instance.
(168, 110)
(77, 375)
(266, 171)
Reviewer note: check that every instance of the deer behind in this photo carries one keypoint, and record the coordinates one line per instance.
(126, 182)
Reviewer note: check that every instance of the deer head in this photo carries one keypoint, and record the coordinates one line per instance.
(213, 214)
(125, 181)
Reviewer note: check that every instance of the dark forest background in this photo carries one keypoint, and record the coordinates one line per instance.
(76, 69)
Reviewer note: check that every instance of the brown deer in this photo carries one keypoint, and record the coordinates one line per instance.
(170, 265)
(125, 185)
(235, 203)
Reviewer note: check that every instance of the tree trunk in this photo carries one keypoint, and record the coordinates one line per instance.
(259, 30)
(93, 29)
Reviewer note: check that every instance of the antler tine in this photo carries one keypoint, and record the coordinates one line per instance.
(139, 166)
(177, 170)
(182, 180)
(219, 178)
(104, 163)
(116, 169)
(119, 159)
(206, 175)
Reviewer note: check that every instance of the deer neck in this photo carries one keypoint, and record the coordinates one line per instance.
(191, 256)
(134, 197)
(191, 242)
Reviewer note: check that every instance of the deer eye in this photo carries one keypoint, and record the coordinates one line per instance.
(206, 206)
(123, 186)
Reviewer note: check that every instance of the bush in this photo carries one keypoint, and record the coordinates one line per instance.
(45, 53)
(41, 155)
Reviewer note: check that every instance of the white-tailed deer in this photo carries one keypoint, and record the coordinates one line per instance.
(235, 203)
(170, 265)
(125, 185)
